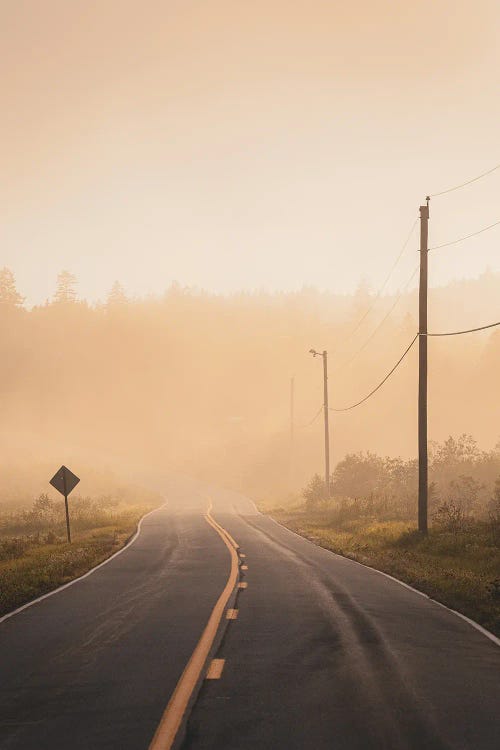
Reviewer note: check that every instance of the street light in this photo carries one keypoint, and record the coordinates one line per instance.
(324, 355)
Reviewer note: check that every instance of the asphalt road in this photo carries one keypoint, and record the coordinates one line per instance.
(324, 653)
(93, 666)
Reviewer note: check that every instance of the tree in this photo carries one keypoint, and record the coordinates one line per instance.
(464, 491)
(315, 493)
(66, 288)
(358, 475)
(494, 512)
(362, 301)
(9, 296)
(117, 295)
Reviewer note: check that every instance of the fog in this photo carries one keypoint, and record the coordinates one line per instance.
(195, 383)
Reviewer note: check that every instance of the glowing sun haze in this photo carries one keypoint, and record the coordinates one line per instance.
(234, 145)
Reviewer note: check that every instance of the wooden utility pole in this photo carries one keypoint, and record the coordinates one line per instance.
(292, 429)
(327, 430)
(324, 354)
(422, 373)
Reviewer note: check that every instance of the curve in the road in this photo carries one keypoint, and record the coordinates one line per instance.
(85, 575)
(491, 636)
(174, 713)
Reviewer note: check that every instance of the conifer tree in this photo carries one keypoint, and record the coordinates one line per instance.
(66, 288)
(117, 295)
(9, 296)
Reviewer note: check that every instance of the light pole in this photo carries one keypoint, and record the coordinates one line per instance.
(324, 354)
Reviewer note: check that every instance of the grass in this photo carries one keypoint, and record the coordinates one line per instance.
(32, 564)
(458, 568)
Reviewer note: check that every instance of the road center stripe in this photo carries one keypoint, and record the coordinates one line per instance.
(176, 708)
(215, 669)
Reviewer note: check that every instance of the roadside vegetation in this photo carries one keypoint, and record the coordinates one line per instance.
(370, 518)
(35, 556)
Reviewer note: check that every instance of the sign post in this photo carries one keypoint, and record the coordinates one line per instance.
(64, 481)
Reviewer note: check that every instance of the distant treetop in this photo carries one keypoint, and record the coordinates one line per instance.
(9, 296)
(117, 295)
(66, 288)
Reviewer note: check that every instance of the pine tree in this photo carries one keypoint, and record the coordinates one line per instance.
(9, 296)
(117, 295)
(66, 288)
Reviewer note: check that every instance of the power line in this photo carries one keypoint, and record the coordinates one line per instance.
(463, 184)
(469, 330)
(468, 236)
(377, 296)
(358, 403)
(387, 315)
(308, 424)
(451, 333)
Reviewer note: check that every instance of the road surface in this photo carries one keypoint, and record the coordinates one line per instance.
(323, 653)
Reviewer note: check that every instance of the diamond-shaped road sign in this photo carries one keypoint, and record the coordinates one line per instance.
(64, 481)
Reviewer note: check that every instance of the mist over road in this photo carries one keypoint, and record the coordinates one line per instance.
(323, 653)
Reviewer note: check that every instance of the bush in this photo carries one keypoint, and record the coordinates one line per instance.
(494, 513)
(12, 548)
(450, 517)
(315, 493)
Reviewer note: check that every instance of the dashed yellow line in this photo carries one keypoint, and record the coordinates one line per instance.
(172, 716)
(215, 669)
(244, 567)
(242, 585)
(231, 614)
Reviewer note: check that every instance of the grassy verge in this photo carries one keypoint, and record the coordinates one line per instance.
(33, 564)
(459, 569)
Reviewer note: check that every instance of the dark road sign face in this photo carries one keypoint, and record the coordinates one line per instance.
(64, 481)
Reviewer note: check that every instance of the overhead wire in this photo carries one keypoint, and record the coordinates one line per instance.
(464, 184)
(358, 403)
(379, 326)
(308, 424)
(459, 333)
(377, 296)
(468, 236)
(417, 335)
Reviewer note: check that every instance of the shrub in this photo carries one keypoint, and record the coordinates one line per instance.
(494, 513)
(12, 548)
(450, 517)
(315, 493)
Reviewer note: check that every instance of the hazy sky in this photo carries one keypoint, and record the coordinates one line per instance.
(229, 144)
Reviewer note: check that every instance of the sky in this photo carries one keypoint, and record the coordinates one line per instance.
(231, 145)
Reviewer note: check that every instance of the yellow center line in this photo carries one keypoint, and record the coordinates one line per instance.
(222, 530)
(172, 717)
(215, 669)
(231, 614)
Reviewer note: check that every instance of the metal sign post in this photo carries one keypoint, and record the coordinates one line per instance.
(64, 481)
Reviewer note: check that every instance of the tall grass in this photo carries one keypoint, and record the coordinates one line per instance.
(35, 556)
(458, 566)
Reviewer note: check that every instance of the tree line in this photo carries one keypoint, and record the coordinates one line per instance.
(199, 383)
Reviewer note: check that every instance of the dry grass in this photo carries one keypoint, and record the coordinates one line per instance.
(31, 564)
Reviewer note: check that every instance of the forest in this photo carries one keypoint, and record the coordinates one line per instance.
(198, 383)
